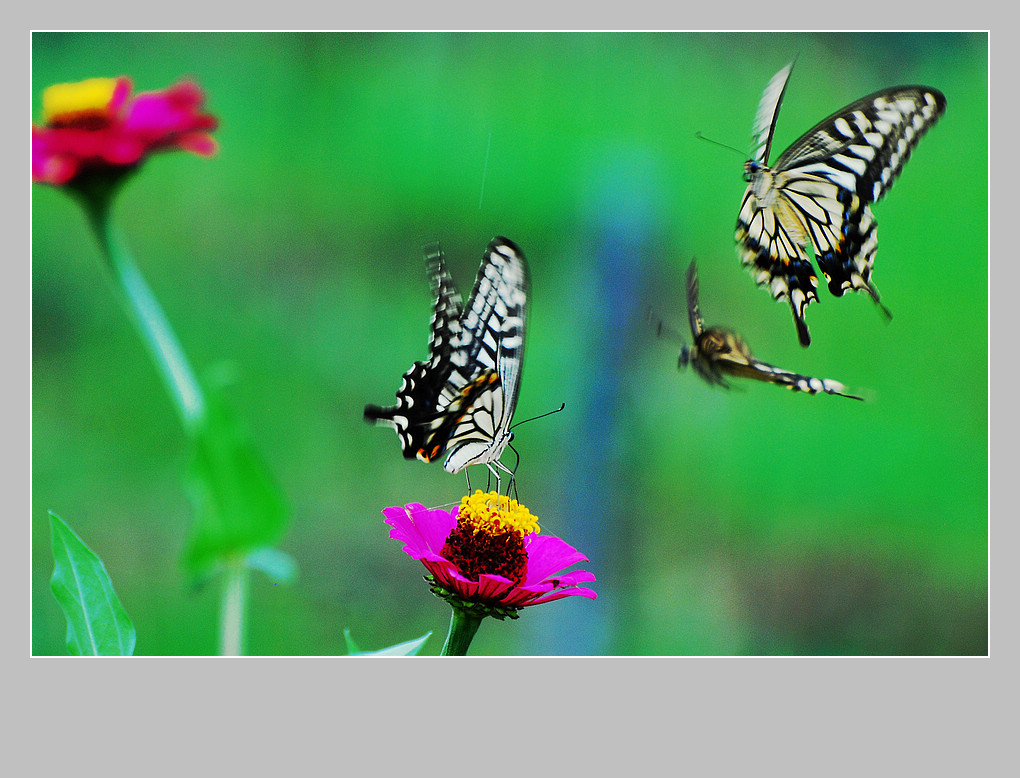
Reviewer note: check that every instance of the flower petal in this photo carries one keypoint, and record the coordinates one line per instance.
(161, 115)
(198, 143)
(559, 594)
(548, 554)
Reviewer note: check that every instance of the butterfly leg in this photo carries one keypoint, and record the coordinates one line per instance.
(495, 468)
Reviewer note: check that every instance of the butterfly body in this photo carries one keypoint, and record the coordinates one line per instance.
(461, 400)
(718, 353)
(816, 197)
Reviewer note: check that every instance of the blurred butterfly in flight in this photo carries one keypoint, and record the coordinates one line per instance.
(461, 400)
(718, 353)
(819, 192)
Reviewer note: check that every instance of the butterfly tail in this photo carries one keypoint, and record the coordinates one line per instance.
(798, 319)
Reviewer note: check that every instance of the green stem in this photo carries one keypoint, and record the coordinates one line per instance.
(463, 626)
(148, 317)
(158, 336)
(235, 586)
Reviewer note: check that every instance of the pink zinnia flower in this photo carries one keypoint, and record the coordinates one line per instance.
(488, 552)
(97, 125)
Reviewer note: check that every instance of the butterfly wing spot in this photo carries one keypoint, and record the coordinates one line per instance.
(843, 128)
(428, 456)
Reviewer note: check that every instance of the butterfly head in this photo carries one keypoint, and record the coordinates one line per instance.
(751, 169)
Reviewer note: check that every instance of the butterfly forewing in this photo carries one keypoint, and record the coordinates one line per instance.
(819, 192)
(768, 109)
(493, 332)
(693, 309)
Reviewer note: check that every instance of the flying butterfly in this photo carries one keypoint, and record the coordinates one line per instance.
(718, 352)
(460, 401)
(820, 189)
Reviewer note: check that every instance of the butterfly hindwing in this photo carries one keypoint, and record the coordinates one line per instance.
(819, 192)
(423, 383)
(447, 310)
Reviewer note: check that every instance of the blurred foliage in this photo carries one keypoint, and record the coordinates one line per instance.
(755, 521)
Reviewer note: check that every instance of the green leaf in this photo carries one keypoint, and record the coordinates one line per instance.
(410, 648)
(238, 507)
(97, 624)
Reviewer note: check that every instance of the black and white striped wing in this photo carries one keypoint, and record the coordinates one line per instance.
(485, 382)
(444, 329)
(421, 387)
(820, 189)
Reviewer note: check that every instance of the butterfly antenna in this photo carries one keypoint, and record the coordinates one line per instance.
(663, 330)
(540, 416)
(652, 319)
(698, 135)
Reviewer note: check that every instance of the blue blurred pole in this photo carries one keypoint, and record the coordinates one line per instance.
(598, 497)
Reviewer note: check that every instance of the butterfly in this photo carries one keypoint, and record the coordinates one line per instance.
(820, 189)
(461, 400)
(718, 352)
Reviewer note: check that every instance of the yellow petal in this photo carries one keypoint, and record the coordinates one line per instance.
(92, 97)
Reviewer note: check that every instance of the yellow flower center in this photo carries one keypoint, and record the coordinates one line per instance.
(489, 537)
(493, 513)
(66, 103)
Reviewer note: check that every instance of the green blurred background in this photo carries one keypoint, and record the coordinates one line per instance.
(755, 521)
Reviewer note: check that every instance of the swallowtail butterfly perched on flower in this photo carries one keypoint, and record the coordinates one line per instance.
(820, 190)
(719, 352)
(460, 401)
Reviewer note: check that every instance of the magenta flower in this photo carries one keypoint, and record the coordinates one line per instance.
(97, 125)
(488, 552)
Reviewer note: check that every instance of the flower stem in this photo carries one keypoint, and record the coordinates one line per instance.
(158, 336)
(148, 317)
(463, 626)
(235, 586)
